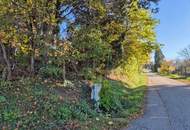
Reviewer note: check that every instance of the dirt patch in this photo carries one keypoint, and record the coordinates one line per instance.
(69, 94)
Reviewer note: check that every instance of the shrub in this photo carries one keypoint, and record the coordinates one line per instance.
(51, 72)
(10, 115)
(2, 99)
(167, 67)
(113, 95)
(82, 111)
(65, 113)
(88, 74)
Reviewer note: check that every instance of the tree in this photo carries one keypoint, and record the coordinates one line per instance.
(167, 67)
(126, 28)
(185, 54)
(158, 58)
(8, 65)
(103, 34)
(36, 22)
(7, 38)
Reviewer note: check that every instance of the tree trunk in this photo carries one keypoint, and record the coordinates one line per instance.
(32, 56)
(32, 62)
(33, 30)
(9, 73)
(185, 71)
(75, 68)
(64, 71)
(46, 58)
(4, 73)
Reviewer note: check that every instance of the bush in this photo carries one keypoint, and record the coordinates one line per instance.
(65, 113)
(167, 67)
(88, 74)
(51, 72)
(10, 115)
(82, 111)
(2, 99)
(113, 95)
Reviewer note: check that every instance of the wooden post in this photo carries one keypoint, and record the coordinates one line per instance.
(9, 73)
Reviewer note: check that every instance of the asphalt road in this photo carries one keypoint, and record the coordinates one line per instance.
(168, 106)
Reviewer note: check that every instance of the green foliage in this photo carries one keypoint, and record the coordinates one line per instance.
(80, 111)
(167, 67)
(174, 76)
(33, 105)
(113, 95)
(65, 113)
(159, 58)
(101, 37)
(36, 106)
(2, 99)
(10, 115)
(123, 100)
(93, 50)
(88, 74)
(83, 111)
(51, 72)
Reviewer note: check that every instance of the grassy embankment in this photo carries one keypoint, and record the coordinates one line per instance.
(37, 104)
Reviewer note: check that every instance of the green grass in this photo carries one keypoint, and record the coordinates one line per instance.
(177, 77)
(173, 76)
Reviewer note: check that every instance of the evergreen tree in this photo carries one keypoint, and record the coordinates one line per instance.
(158, 58)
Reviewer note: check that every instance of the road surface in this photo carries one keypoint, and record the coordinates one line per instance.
(168, 106)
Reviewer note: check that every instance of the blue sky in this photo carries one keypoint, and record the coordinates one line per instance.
(174, 28)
